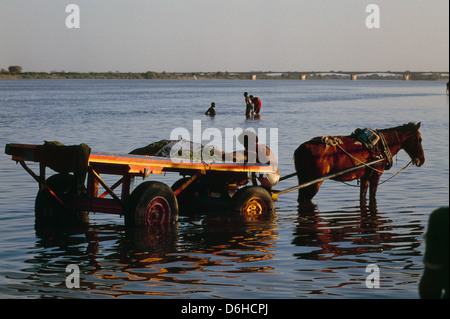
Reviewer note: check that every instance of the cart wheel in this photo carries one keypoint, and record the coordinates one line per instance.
(152, 204)
(253, 202)
(48, 207)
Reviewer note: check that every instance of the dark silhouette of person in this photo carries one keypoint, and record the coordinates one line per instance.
(248, 105)
(211, 111)
(434, 281)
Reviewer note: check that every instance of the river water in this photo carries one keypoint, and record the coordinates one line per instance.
(322, 253)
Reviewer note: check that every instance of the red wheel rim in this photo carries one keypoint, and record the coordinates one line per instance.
(158, 212)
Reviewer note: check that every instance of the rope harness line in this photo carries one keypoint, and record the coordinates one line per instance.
(331, 140)
(337, 142)
(380, 183)
(334, 141)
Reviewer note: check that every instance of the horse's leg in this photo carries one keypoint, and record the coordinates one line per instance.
(307, 193)
(364, 184)
(375, 178)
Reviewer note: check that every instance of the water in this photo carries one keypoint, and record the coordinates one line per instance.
(321, 254)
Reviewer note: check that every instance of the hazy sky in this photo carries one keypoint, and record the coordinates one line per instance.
(224, 35)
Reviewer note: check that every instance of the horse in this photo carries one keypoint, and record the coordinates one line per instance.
(326, 155)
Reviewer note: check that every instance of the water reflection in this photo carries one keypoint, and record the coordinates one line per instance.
(203, 251)
(211, 254)
(335, 247)
(355, 231)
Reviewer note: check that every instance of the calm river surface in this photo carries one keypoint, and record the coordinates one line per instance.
(320, 254)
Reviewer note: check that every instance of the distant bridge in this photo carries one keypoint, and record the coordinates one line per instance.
(406, 75)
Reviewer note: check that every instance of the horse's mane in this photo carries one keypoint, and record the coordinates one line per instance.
(411, 126)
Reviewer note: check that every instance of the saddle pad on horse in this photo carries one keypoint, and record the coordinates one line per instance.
(367, 137)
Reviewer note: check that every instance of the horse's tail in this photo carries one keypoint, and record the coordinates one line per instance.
(306, 168)
(300, 154)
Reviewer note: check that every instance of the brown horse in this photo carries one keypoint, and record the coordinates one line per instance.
(326, 155)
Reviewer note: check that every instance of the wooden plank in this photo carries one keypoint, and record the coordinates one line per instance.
(24, 152)
(139, 164)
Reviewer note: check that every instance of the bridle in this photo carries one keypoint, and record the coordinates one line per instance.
(415, 160)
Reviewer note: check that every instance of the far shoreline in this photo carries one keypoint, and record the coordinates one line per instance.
(413, 76)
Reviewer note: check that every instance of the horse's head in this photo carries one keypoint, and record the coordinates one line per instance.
(412, 144)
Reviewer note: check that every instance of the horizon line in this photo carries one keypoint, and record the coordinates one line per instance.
(237, 72)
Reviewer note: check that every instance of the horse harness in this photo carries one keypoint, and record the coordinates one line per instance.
(373, 141)
(385, 151)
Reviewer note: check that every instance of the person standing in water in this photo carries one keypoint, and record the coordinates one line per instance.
(248, 105)
(256, 104)
(211, 111)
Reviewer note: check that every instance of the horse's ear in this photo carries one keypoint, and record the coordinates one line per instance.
(418, 125)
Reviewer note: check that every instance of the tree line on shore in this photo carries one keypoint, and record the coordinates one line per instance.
(15, 72)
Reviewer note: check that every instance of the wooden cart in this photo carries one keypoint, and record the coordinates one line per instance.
(151, 203)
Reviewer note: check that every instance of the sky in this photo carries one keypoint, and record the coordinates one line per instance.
(225, 35)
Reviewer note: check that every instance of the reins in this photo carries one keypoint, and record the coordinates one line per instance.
(380, 183)
(396, 173)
